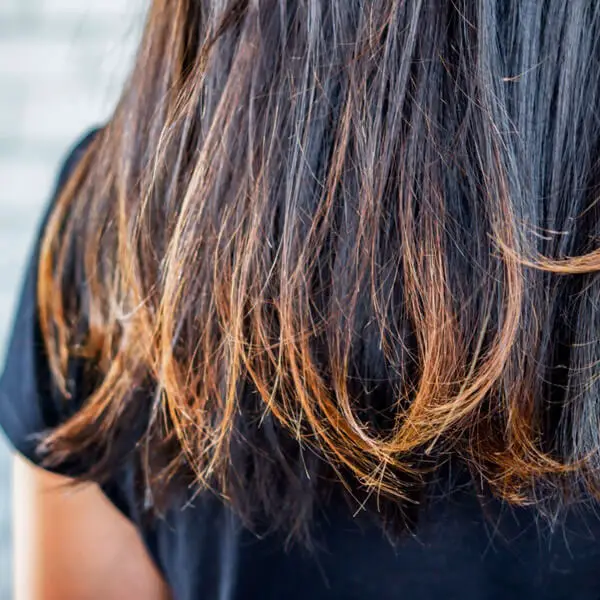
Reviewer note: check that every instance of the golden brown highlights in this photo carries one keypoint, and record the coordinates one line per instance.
(339, 236)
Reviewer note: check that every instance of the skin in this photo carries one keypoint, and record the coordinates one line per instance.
(72, 543)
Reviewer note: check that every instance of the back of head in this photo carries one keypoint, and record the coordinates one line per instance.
(346, 237)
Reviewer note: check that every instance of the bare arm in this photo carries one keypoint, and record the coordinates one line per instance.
(74, 544)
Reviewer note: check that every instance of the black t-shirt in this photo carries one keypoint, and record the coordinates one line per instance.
(203, 552)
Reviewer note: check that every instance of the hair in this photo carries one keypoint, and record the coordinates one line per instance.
(339, 236)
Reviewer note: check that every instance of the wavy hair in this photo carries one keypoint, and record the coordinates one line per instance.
(339, 236)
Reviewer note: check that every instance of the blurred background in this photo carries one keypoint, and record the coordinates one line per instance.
(62, 64)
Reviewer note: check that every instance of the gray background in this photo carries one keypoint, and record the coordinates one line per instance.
(62, 64)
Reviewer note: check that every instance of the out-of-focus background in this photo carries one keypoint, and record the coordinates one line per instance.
(62, 65)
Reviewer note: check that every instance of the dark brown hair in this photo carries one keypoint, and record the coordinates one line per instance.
(342, 234)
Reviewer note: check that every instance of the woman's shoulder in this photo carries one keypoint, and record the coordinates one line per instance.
(30, 404)
(74, 155)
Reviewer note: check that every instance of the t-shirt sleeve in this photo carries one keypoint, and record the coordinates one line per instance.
(30, 402)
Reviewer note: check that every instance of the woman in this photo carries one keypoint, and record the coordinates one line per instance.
(315, 314)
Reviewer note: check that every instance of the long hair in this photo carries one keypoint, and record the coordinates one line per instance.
(339, 236)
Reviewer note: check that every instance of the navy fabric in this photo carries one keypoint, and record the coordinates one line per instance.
(458, 551)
